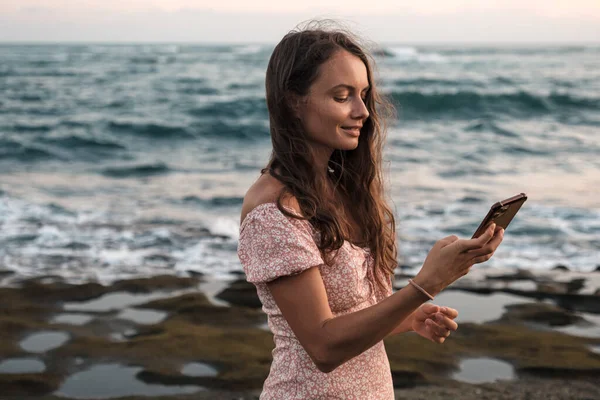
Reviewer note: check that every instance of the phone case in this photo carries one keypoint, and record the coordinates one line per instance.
(501, 213)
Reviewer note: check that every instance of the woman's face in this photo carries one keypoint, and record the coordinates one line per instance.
(334, 109)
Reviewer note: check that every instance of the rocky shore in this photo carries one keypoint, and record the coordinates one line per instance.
(189, 337)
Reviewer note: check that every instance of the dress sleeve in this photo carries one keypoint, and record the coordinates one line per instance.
(272, 245)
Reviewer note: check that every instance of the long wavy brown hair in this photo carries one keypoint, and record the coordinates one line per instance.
(357, 174)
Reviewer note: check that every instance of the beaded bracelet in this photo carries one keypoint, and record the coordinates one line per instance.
(420, 289)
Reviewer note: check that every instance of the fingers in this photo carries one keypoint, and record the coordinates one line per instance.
(449, 312)
(441, 326)
(429, 308)
(448, 240)
(444, 322)
(436, 334)
(477, 243)
(486, 252)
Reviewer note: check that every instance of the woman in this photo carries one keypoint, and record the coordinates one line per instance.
(318, 239)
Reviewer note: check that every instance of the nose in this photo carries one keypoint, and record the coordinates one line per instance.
(360, 110)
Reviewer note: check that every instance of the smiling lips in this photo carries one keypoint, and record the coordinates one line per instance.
(352, 130)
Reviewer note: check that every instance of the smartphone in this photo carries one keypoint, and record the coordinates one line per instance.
(501, 213)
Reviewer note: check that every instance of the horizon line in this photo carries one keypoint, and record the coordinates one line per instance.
(233, 43)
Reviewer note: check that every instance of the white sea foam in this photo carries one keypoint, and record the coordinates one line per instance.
(407, 54)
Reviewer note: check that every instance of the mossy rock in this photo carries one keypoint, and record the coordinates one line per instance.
(240, 293)
(542, 313)
(154, 283)
(196, 308)
(18, 385)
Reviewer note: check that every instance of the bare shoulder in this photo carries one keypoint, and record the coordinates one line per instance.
(266, 189)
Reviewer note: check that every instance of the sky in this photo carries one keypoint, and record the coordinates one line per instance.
(262, 21)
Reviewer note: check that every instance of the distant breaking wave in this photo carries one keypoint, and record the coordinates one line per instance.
(470, 103)
(136, 170)
(155, 130)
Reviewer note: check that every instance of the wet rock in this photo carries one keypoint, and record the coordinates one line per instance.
(408, 379)
(159, 282)
(561, 267)
(546, 314)
(6, 272)
(520, 275)
(195, 330)
(196, 274)
(145, 332)
(553, 372)
(19, 385)
(572, 302)
(62, 291)
(229, 337)
(240, 293)
(573, 286)
(196, 308)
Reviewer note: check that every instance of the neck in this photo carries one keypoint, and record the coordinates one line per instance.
(321, 156)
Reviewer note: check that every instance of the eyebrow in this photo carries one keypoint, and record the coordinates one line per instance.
(349, 87)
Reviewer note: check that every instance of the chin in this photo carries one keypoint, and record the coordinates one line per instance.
(350, 144)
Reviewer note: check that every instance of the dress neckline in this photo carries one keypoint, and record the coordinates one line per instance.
(274, 203)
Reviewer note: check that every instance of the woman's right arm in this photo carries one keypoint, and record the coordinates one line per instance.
(330, 341)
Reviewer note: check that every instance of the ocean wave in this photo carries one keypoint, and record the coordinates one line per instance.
(248, 49)
(243, 85)
(154, 130)
(528, 51)
(231, 130)
(471, 103)
(13, 150)
(214, 201)
(74, 142)
(136, 170)
(202, 90)
(186, 80)
(30, 97)
(13, 72)
(22, 128)
(439, 82)
(485, 125)
(410, 54)
(143, 60)
(525, 150)
(239, 108)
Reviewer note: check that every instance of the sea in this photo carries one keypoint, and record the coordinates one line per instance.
(130, 160)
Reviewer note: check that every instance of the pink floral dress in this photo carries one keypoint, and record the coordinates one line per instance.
(273, 245)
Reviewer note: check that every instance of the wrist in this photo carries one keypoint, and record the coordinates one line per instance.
(409, 322)
(429, 284)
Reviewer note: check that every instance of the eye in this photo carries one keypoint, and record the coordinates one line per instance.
(340, 99)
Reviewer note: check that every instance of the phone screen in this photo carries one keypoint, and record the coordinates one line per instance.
(501, 213)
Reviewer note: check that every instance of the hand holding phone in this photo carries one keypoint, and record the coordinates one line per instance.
(501, 213)
(451, 257)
